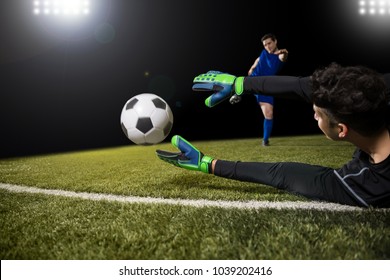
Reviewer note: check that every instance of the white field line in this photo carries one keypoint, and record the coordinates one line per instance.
(252, 204)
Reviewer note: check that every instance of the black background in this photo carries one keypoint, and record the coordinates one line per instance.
(63, 84)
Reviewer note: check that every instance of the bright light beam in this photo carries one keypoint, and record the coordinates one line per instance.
(61, 7)
(374, 7)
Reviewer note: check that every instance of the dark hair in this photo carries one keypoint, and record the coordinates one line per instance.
(267, 36)
(355, 95)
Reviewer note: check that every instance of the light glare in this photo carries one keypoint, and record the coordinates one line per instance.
(374, 7)
(61, 7)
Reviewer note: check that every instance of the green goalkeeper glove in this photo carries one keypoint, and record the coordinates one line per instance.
(222, 86)
(189, 157)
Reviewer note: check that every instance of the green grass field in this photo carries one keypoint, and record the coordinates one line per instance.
(43, 226)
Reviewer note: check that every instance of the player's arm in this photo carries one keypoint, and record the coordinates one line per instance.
(224, 86)
(253, 66)
(282, 54)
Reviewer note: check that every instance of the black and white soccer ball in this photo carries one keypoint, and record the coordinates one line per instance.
(146, 119)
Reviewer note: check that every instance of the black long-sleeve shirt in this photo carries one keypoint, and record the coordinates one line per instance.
(286, 86)
(359, 182)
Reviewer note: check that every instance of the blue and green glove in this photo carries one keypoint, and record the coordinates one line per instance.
(189, 157)
(222, 85)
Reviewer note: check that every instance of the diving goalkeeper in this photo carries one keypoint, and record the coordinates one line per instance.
(350, 104)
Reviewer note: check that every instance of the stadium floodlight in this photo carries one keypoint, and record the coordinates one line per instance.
(374, 7)
(61, 7)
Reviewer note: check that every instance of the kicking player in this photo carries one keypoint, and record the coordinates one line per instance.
(350, 104)
(269, 63)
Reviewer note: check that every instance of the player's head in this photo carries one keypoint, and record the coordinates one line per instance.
(269, 42)
(354, 96)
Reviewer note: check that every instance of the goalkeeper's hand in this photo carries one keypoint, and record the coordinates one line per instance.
(222, 85)
(189, 157)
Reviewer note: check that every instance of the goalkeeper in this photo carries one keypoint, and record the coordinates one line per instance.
(350, 104)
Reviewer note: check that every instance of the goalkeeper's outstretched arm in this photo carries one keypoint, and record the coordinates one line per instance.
(279, 86)
(224, 86)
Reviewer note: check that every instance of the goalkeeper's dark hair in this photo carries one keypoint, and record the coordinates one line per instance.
(356, 96)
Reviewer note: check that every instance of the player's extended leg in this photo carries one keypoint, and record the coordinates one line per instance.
(268, 110)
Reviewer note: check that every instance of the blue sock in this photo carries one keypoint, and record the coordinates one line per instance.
(267, 128)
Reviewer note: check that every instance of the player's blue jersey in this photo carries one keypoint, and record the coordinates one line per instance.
(269, 64)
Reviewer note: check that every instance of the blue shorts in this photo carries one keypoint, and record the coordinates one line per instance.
(265, 99)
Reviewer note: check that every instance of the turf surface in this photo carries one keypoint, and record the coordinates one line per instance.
(36, 226)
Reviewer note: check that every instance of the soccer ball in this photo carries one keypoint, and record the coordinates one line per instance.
(146, 119)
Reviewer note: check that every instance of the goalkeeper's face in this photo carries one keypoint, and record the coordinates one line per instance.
(329, 128)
